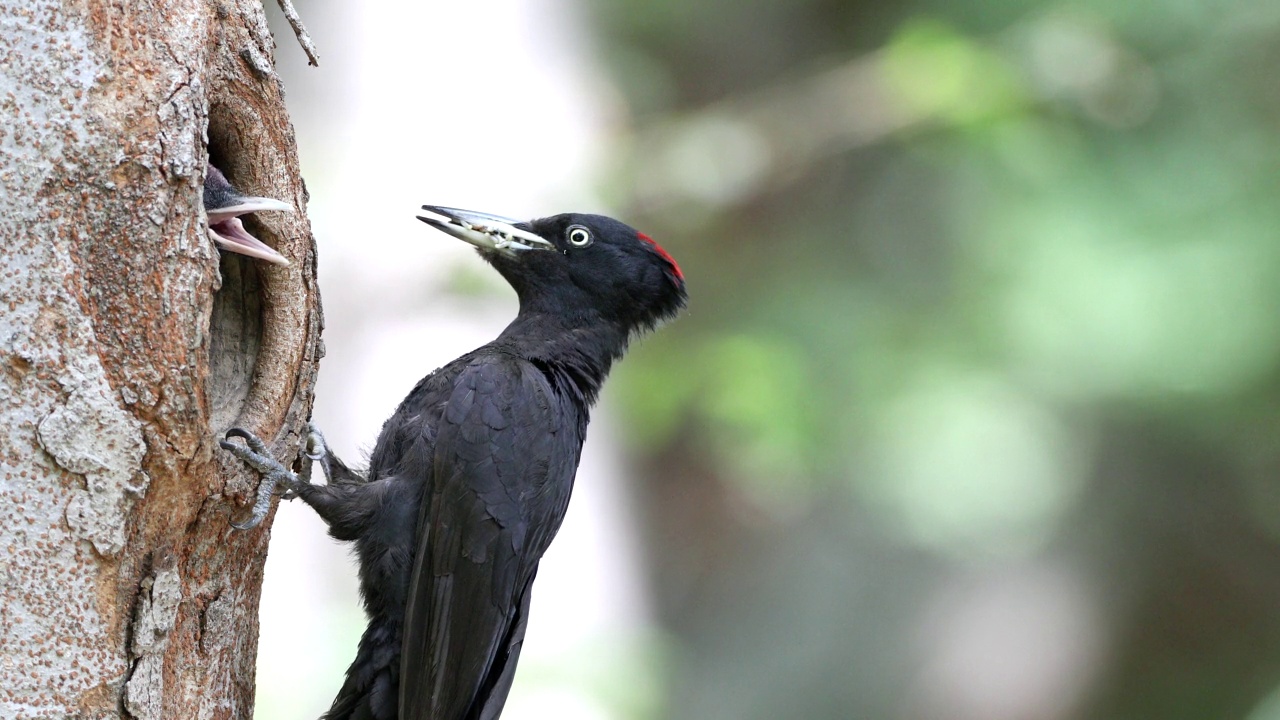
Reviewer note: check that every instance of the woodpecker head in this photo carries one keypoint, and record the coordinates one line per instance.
(223, 205)
(582, 268)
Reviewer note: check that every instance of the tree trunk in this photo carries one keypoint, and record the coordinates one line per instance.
(125, 350)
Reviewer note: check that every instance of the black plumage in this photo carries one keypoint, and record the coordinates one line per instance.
(470, 478)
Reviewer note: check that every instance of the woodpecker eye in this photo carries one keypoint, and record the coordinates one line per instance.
(579, 236)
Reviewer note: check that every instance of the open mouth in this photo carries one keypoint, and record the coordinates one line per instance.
(228, 233)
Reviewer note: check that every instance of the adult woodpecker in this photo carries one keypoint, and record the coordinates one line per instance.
(469, 479)
(224, 204)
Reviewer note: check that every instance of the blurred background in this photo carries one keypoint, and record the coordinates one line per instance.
(973, 411)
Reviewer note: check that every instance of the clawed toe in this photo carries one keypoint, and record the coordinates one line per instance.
(255, 454)
(253, 441)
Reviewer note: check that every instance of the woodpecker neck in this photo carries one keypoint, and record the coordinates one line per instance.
(580, 352)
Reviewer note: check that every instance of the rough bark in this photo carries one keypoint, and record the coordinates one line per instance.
(127, 345)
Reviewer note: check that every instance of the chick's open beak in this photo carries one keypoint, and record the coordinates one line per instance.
(224, 205)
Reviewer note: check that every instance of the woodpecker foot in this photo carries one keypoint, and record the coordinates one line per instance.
(316, 448)
(336, 472)
(255, 454)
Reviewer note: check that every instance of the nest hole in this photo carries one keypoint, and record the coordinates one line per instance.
(235, 337)
(236, 322)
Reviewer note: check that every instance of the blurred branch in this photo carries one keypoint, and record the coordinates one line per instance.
(737, 148)
(845, 107)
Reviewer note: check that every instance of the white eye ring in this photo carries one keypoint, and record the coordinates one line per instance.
(578, 236)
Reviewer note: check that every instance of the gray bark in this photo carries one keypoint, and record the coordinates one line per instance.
(125, 350)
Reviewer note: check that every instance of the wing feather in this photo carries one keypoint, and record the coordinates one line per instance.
(500, 469)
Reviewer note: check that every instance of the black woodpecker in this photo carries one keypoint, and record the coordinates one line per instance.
(223, 205)
(469, 479)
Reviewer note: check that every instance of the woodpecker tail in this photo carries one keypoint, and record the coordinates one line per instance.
(372, 688)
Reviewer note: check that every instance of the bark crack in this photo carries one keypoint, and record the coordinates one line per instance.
(154, 618)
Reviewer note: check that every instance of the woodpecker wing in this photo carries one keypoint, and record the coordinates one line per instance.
(505, 456)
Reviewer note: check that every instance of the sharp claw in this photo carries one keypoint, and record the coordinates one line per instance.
(253, 441)
(254, 521)
(235, 449)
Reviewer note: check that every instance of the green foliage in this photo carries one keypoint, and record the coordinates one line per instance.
(1102, 227)
(943, 74)
(1004, 278)
(742, 389)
